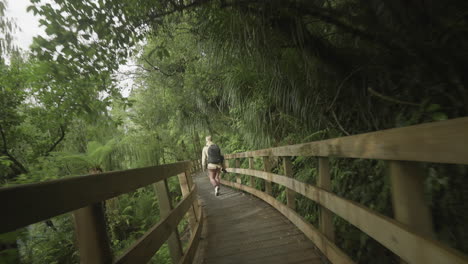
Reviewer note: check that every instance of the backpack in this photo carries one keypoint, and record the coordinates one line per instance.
(214, 154)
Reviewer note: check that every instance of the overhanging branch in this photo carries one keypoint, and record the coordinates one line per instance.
(19, 169)
(156, 68)
(62, 136)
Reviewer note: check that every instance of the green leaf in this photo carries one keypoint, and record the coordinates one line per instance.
(32, 8)
(439, 116)
(433, 108)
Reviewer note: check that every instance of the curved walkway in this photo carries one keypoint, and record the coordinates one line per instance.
(243, 229)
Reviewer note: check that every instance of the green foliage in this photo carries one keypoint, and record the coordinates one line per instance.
(253, 74)
(7, 30)
(10, 254)
(42, 244)
(130, 216)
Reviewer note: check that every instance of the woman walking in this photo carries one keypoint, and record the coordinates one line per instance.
(213, 161)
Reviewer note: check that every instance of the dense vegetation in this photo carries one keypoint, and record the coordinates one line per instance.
(253, 74)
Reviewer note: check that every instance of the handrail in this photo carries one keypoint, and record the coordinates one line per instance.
(440, 142)
(31, 203)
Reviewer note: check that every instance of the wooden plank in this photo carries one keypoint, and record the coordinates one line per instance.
(409, 202)
(294, 256)
(288, 172)
(252, 178)
(165, 208)
(145, 247)
(267, 168)
(326, 217)
(247, 242)
(91, 235)
(259, 222)
(246, 234)
(256, 255)
(193, 243)
(439, 142)
(48, 199)
(328, 248)
(245, 248)
(395, 236)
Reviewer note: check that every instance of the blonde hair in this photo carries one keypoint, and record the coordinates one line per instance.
(208, 139)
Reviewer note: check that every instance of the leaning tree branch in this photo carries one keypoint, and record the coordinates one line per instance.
(62, 136)
(390, 99)
(156, 68)
(21, 168)
(338, 123)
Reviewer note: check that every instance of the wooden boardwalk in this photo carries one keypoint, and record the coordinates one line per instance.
(243, 229)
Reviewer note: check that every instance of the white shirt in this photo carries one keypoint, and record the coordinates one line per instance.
(210, 166)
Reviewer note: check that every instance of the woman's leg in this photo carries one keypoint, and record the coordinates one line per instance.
(218, 177)
(212, 176)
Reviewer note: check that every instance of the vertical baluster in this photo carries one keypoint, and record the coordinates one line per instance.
(251, 166)
(238, 178)
(91, 235)
(326, 217)
(165, 207)
(409, 205)
(185, 187)
(267, 168)
(288, 172)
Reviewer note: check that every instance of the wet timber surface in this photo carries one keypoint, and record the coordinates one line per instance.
(240, 228)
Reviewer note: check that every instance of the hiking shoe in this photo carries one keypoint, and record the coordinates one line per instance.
(217, 190)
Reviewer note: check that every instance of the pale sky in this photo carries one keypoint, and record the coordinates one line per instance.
(28, 24)
(29, 27)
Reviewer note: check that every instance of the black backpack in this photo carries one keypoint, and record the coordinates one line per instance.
(214, 154)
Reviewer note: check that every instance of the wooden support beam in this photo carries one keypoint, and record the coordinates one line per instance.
(165, 207)
(142, 250)
(326, 217)
(267, 168)
(185, 186)
(238, 178)
(193, 243)
(288, 172)
(409, 205)
(251, 166)
(91, 236)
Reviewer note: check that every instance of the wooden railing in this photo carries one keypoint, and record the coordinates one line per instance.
(410, 234)
(30, 203)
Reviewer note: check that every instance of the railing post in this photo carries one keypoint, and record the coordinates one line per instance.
(409, 205)
(288, 172)
(326, 217)
(251, 166)
(91, 236)
(238, 178)
(267, 168)
(185, 186)
(165, 207)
